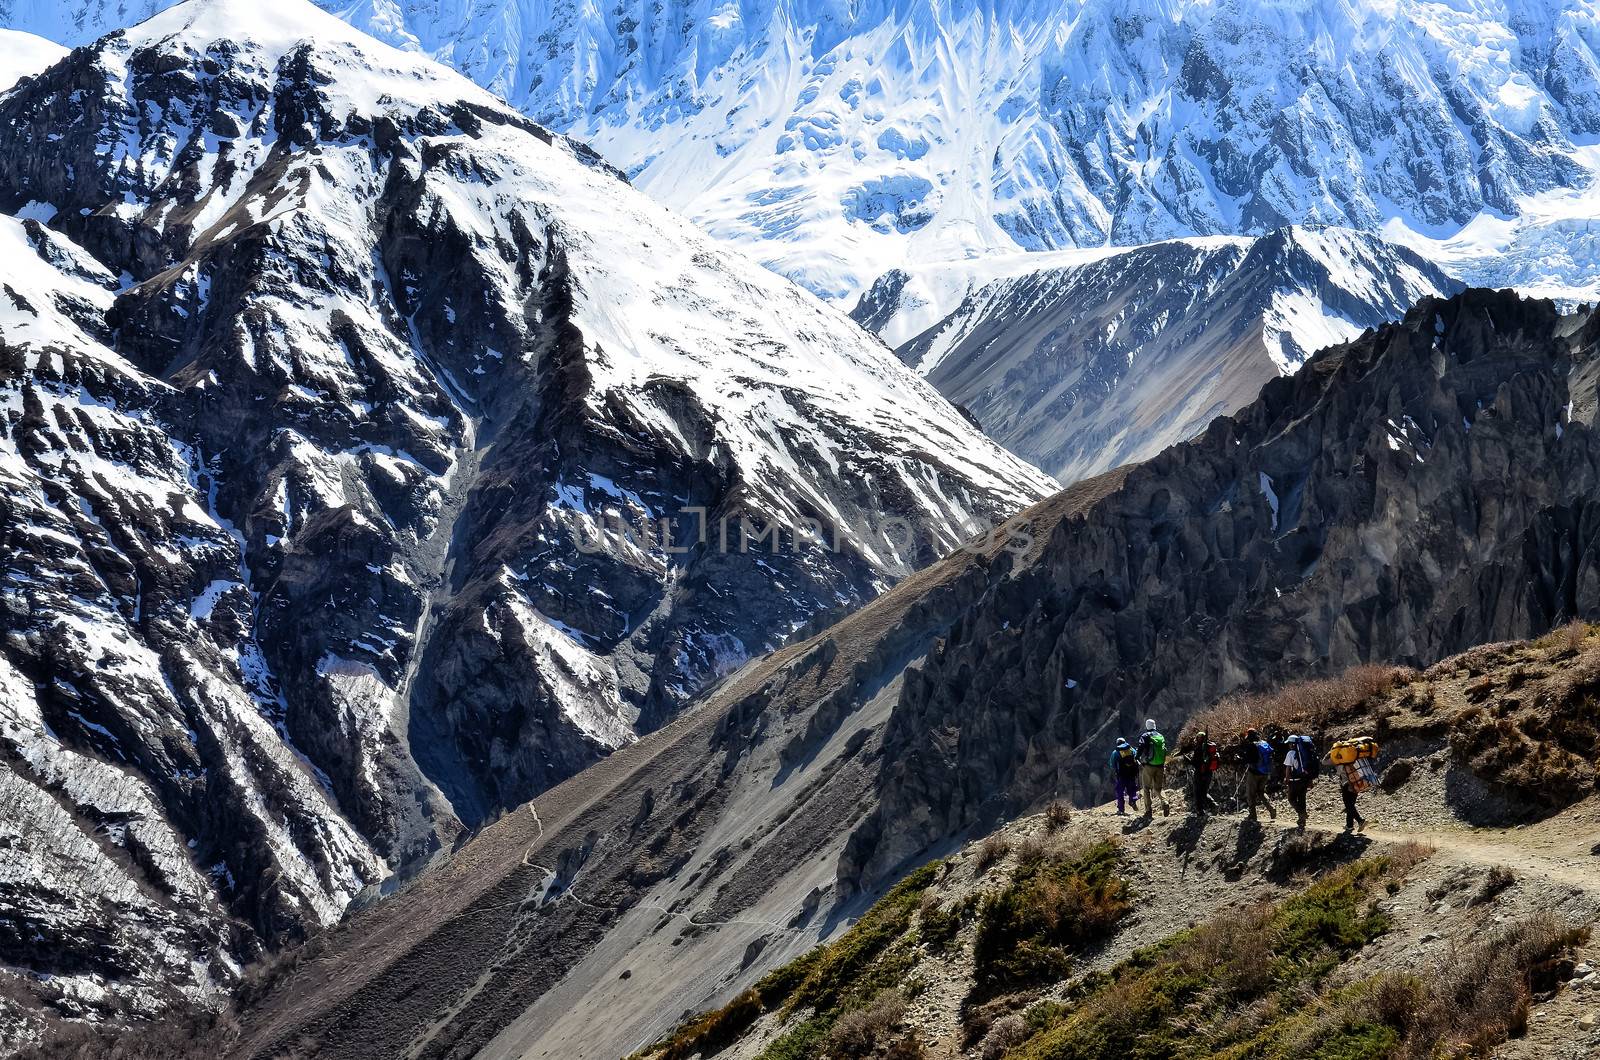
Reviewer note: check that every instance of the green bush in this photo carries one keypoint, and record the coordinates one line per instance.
(1053, 907)
(1216, 990)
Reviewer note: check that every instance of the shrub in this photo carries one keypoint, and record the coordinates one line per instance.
(1007, 1033)
(1057, 815)
(858, 1033)
(991, 852)
(1053, 907)
(1496, 881)
(1032, 850)
(1227, 983)
(833, 980)
(1569, 639)
(1305, 704)
(1480, 995)
(907, 1048)
(940, 926)
(849, 971)
(711, 1032)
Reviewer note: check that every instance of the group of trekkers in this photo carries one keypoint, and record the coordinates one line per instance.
(1142, 765)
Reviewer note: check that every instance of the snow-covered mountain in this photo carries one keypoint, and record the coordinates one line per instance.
(839, 140)
(23, 55)
(1096, 363)
(342, 409)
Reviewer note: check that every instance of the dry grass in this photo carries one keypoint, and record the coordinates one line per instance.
(1545, 755)
(1403, 857)
(1057, 815)
(1480, 995)
(859, 1033)
(1034, 849)
(991, 852)
(1496, 881)
(1305, 704)
(1229, 984)
(1569, 639)
(1007, 1033)
(1055, 906)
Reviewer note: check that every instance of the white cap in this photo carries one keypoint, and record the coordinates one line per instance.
(1149, 725)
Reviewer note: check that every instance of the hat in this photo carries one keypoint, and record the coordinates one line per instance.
(1121, 742)
(1149, 725)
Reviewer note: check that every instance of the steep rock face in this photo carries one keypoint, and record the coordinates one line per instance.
(157, 823)
(343, 409)
(839, 140)
(1427, 487)
(1087, 367)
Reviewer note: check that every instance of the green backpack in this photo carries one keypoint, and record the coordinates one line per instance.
(1154, 748)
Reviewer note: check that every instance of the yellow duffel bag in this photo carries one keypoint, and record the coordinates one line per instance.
(1346, 751)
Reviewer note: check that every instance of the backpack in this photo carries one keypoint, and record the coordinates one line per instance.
(1263, 757)
(1127, 763)
(1153, 749)
(1213, 760)
(1302, 757)
(1347, 751)
(1361, 775)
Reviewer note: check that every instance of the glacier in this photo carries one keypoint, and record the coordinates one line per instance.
(837, 141)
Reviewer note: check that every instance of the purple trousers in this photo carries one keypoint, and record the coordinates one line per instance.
(1130, 789)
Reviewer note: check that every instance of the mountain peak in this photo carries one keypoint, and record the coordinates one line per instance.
(279, 25)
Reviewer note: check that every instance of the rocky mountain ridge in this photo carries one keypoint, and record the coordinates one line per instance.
(343, 410)
(1086, 367)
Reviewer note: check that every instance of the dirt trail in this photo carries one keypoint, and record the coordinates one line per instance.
(1564, 848)
(1530, 853)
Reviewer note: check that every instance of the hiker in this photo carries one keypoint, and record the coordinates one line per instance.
(1204, 759)
(1257, 756)
(1299, 770)
(1353, 821)
(1153, 769)
(1125, 768)
(1357, 763)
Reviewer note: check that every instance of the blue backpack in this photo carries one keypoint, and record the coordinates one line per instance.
(1263, 758)
(1302, 758)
